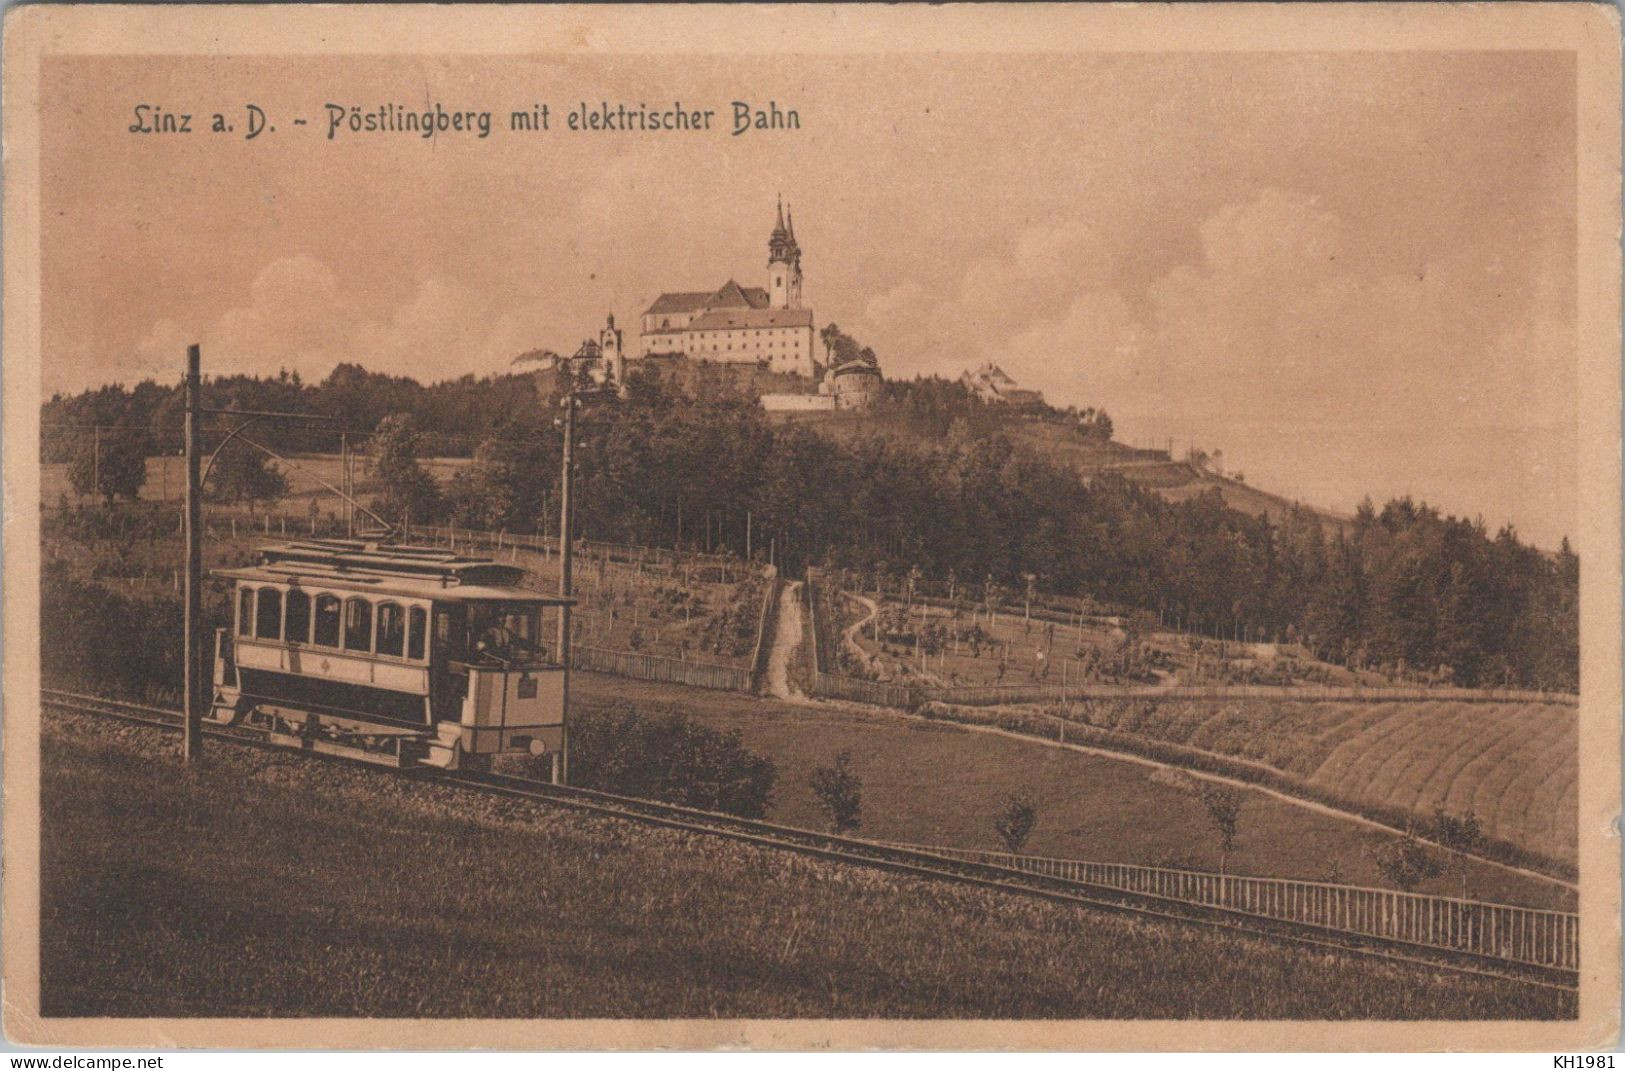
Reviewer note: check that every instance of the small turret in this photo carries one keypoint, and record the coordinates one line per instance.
(612, 353)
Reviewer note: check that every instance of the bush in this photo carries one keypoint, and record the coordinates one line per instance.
(668, 758)
(1405, 862)
(86, 631)
(1015, 822)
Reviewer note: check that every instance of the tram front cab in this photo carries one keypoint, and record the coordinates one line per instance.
(498, 683)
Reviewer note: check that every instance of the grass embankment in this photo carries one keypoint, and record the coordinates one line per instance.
(933, 782)
(263, 885)
(1512, 765)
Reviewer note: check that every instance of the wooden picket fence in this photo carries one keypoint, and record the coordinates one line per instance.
(495, 542)
(1504, 932)
(875, 693)
(648, 667)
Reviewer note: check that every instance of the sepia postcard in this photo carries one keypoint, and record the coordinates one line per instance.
(801, 526)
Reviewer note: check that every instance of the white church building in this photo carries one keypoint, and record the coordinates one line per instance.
(740, 324)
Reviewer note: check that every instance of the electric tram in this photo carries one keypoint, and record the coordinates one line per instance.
(394, 654)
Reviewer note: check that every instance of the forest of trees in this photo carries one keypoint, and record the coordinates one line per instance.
(1403, 587)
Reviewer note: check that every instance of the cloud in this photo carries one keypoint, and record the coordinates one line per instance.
(297, 315)
(995, 306)
(1272, 339)
(1094, 348)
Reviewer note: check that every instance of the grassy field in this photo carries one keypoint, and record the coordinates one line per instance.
(931, 782)
(1513, 765)
(263, 885)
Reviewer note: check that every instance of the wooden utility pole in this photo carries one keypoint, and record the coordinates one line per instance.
(344, 482)
(192, 741)
(566, 586)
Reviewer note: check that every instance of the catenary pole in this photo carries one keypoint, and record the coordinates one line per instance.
(566, 537)
(192, 742)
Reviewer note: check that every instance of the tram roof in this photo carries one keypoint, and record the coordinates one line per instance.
(396, 569)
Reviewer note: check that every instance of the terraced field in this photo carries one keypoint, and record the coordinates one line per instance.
(1513, 765)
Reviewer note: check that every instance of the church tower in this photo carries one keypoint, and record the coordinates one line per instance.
(784, 264)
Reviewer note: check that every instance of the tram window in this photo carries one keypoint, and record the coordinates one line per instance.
(504, 631)
(391, 629)
(298, 617)
(268, 621)
(418, 623)
(521, 624)
(358, 625)
(327, 620)
(245, 612)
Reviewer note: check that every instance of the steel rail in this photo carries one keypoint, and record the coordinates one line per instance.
(876, 855)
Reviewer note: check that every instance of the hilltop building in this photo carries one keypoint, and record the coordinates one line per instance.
(855, 384)
(740, 324)
(603, 358)
(994, 386)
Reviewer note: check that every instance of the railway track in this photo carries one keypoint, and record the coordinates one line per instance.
(896, 859)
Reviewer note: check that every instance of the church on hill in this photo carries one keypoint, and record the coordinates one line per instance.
(767, 327)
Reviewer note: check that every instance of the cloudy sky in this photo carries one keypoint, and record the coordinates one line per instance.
(1352, 272)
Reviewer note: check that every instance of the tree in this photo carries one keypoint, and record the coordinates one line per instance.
(1460, 837)
(840, 790)
(1405, 861)
(505, 486)
(410, 494)
(1014, 824)
(112, 465)
(242, 473)
(828, 335)
(1222, 804)
(1399, 582)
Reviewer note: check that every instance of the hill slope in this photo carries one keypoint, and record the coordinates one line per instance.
(1061, 443)
(318, 889)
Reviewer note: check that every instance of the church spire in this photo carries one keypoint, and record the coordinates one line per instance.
(784, 263)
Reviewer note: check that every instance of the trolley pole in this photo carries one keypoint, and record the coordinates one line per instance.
(192, 745)
(566, 534)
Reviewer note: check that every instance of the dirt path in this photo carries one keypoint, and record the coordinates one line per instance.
(849, 634)
(786, 640)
